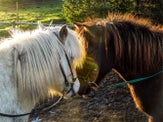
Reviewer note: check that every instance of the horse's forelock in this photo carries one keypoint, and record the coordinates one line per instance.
(76, 47)
(36, 60)
(73, 44)
(37, 63)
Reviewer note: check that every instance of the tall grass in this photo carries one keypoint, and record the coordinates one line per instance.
(30, 12)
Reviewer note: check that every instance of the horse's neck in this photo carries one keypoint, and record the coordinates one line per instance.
(131, 70)
(130, 73)
(9, 101)
(105, 63)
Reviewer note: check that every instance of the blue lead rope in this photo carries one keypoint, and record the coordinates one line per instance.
(136, 80)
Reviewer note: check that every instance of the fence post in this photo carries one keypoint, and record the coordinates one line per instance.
(17, 11)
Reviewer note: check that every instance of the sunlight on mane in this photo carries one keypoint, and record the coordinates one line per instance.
(36, 60)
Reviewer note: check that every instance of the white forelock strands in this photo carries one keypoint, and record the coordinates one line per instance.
(36, 56)
(74, 45)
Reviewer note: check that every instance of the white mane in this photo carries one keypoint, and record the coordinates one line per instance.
(36, 55)
(36, 64)
(74, 45)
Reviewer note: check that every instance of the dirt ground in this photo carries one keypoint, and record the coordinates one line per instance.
(108, 105)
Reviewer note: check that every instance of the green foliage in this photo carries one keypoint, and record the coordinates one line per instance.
(79, 10)
(121, 6)
(7, 1)
(88, 73)
(152, 9)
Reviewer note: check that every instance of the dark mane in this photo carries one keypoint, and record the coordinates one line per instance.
(133, 48)
(137, 42)
(115, 17)
(136, 45)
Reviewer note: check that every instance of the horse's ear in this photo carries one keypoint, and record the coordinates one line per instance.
(41, 26)
(82, 26)
(78, 25)
(63, 33)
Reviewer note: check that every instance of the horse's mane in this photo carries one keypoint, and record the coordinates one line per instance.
(117, 17)
(36, 56)
(37, 62)
(137, 43)
(74, 47)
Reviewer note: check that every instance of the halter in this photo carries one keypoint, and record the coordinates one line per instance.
(35, 111)
(65, 78)
(69, 64)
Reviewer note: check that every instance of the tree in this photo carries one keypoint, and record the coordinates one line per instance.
(79, 10)
(152, 9)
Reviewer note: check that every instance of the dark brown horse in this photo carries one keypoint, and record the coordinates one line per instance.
(134, 48)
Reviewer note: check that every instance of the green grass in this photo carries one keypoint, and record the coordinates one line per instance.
(88, 73)
(44, 13)
(89, 70)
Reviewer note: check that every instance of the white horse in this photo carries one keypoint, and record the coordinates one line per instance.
(37, 64)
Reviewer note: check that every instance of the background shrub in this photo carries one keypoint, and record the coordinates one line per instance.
(79, 10)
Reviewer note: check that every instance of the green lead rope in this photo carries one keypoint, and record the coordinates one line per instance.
(136, 80)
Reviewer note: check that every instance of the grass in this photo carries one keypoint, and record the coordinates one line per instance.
(44, 13)
(89, 72)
